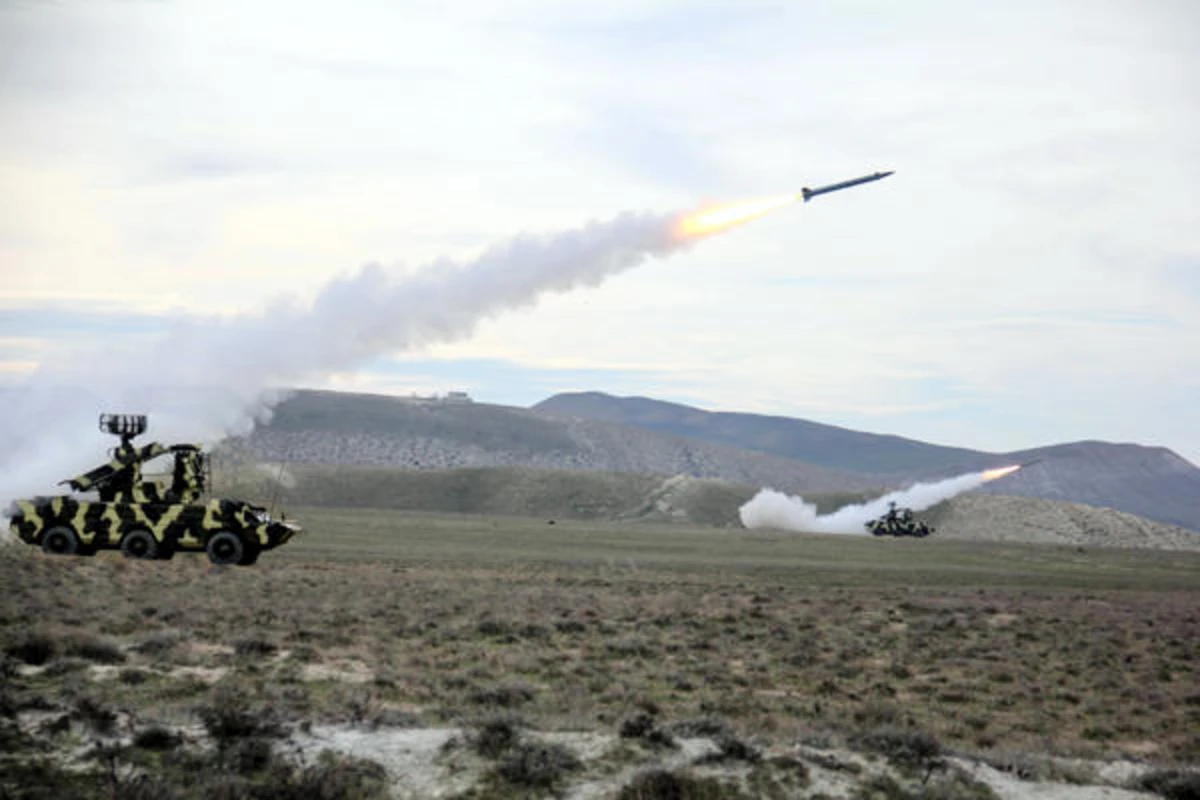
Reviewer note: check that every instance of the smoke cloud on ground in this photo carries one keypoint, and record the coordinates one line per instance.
(211, 377)
(772, 509)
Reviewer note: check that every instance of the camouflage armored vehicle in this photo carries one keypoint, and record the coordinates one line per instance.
(898, 522)
(145, 518)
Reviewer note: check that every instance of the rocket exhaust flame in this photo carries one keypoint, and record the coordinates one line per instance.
(772, 509)
(728, 215)
(1000, 472)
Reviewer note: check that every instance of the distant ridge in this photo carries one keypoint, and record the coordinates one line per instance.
(1152, 482)
(316, 427)
(812, 442)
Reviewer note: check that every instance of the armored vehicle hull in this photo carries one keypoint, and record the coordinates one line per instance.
(147, 519)
(230, 531)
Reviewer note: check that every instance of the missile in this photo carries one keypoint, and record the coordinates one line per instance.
(808, 194)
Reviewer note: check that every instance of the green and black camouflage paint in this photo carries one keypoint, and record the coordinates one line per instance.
(172, 514)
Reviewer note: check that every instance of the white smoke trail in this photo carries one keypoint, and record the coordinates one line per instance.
(772, 509)
(209, 377)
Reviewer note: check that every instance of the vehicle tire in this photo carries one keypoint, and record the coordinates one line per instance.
(139, 544)
(251, 554)
(225, 548)
(60, 541)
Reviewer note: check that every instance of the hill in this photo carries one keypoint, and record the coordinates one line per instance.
(371, 430)
(798, 439)
(1152, 482)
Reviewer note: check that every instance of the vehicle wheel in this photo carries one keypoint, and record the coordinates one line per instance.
(251, 554)
(60, 541)
(139, 544)
(225, 548)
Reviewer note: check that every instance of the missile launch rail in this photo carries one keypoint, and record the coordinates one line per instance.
(143, 518)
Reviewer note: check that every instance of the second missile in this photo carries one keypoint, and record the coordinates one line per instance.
(808, 194)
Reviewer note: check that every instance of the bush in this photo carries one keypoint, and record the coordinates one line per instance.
(1173, 784)
(156, 737)
(34, 648)
(101, 719)
(230, 715)
(496, 735)
(338, 777)
(505, 695)
(661, 784)
(731, 748)
(537, 765)
(254, 647)
(93, 648)
(702, 726)
(642, 726)
(906, 748)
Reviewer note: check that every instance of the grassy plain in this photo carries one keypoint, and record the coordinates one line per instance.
(389, 618)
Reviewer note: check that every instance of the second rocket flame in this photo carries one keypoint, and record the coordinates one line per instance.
(1000, 472)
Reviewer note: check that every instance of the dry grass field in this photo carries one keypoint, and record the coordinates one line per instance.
(179, 679)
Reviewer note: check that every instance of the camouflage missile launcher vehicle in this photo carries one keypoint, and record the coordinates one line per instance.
(898, 522)
(145, 518)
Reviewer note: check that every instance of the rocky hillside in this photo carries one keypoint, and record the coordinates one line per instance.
(798, 439)
(371, 430)
(1149, 481)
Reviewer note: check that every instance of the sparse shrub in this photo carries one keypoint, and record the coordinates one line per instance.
(254, 647)
(55, 725)
(956, 785)
(537, 765)
(34, 648)
(95, 714)
(230, 715)
(1173, 784)
(157, 644)
(156, 737)
(709, 725)
(876, 713)
(643, 726)
(394, 718)
(906, 748)
(505, 695)
(62, 666)
(496, 628)
(248, 756)
(570, 626)
(731, 748)
(93, 648)
(883, 787)
(336, 777)
(495, 735)
(660, 784)
(133, 676)
(8, 667)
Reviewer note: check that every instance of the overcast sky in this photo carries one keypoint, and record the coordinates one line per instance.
(1030, 274)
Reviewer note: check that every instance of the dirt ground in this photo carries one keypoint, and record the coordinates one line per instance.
(845, 675)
